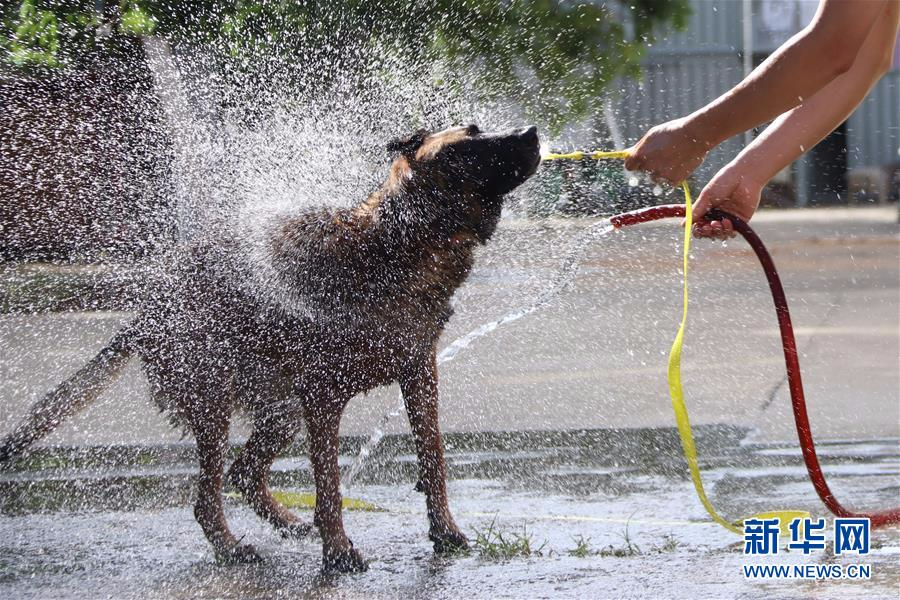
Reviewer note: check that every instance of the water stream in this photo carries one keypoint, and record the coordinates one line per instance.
(191, 136)
(563, 279)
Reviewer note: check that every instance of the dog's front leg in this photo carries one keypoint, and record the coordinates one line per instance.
(420, 393)
(338, 552)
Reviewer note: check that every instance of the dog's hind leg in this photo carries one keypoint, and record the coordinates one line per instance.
(209, 423)
(250, 472)
(338, 552)
(420, 393)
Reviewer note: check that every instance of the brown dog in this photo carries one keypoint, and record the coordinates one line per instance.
(373, 284)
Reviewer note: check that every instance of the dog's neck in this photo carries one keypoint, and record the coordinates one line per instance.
(399, 243)
(425, 214)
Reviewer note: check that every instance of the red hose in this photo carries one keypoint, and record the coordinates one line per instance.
(789, 344)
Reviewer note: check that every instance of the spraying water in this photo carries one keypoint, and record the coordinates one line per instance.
(558, 285)
(239, 177)
(274, 146)
(562, 280)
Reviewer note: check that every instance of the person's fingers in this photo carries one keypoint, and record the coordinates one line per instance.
(660, 179)
(670, 178)
(726, 232)
(634, 159)
(701, 206)
(710, 231)
(728, 228)
(720, 230)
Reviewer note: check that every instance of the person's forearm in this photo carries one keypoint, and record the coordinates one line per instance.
(813, 58)
(797, 131)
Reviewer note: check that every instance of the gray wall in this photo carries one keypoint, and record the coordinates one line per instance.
(874, 129)
(685, 70)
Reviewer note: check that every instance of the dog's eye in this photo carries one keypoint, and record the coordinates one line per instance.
(472, 130)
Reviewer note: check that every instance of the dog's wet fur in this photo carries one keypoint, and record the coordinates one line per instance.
(380, 275)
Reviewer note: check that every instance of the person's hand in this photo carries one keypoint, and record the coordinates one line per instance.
(734, 189)
(669, 152)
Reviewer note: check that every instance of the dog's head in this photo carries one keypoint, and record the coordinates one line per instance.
(466, 159)
(459, 176)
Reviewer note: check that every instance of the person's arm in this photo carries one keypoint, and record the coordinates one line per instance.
(736, 188)
(822, 51)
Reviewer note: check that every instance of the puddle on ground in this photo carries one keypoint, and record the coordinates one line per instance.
(601, 513)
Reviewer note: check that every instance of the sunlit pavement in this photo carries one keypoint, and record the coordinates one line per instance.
(594, 360)
(596, 356)
(119, 526)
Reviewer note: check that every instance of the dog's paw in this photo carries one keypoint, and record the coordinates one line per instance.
(239, 554)
(297, 530)
(344, 561)
(449, 542)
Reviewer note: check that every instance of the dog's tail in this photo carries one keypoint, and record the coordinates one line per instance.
(71, 395)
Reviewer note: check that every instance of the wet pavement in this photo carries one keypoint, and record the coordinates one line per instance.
(595, 357)
(604, 514)
(561, 424)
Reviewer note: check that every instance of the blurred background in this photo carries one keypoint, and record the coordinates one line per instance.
(127, 127)
(87, 155)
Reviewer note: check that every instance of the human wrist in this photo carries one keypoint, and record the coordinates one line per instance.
(699, 128)
(757, 164)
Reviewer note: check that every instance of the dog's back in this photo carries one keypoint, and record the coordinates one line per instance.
(363, 302)
(349, 300)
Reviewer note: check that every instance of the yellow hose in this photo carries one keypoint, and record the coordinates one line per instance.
(674, 372)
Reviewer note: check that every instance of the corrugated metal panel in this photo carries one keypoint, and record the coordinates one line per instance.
(775, 21)
(714, 26)
(685, 70)
(873, 130)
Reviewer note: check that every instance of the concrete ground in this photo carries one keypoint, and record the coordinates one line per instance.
(601, 514)
(596, 356)
(562, 434)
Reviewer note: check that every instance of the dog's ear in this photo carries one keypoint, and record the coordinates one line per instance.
(409, 145)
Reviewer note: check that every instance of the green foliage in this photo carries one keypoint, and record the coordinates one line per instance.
(136, 21)
(669, 544)
(628, 547)
(582, 547)
(36, 37)
(495, 544)
(63, 33)
(555, 59)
